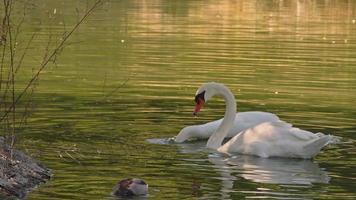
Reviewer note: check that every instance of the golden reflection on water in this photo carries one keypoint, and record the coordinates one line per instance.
(247, 17)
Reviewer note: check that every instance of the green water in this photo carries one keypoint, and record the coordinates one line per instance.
(130, 74)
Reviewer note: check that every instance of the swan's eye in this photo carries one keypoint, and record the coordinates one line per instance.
(199, 96)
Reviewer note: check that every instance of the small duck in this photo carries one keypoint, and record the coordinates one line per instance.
(130, 187)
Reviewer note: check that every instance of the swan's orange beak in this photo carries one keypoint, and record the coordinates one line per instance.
(198, 106)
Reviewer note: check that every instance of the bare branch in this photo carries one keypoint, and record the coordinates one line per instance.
(11, 71)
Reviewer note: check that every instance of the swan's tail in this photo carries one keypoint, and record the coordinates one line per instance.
(313, 147)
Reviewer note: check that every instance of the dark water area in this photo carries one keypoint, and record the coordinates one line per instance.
(129, 76)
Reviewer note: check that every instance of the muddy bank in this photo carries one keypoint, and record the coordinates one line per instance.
(19, 173)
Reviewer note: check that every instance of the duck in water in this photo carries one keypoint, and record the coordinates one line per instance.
(130, 187)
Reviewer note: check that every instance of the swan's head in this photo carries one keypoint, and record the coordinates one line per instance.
(130, 187)
(203, 94)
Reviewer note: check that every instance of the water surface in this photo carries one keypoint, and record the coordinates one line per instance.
(130, 74)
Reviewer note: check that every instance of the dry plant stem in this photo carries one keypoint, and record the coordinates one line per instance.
(27, 107)
(8, 6)
(117, 88)
(12, 54)
(6, 69)
(28, 104)
(50, 58)
(2, 68)
(4, 33)
(21, 21)
(19, 64)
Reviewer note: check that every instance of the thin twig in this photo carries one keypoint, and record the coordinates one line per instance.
(2, 64)
(25, 51)
(28, 107)
(117, 88)
(18, 27)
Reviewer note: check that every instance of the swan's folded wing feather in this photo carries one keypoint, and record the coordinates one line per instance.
(302, 134)
(288, 129)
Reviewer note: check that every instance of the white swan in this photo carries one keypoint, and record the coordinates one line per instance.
(243, 121)
(268, 139)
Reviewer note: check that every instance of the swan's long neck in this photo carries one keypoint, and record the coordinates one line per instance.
(218, 136)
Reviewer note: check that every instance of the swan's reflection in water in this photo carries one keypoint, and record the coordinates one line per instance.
(263, 170)
(294, 175)
(274, 170)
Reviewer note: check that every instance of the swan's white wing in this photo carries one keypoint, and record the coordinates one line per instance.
(245, 120)
(275, 139)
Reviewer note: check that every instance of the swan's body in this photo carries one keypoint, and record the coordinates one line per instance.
(268, 139)
(276, 139)
(243, 121)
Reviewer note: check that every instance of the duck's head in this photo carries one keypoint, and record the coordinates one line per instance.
(130, 187)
